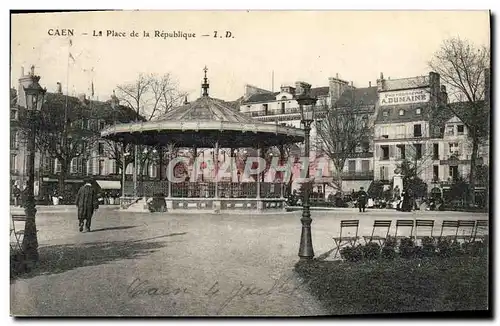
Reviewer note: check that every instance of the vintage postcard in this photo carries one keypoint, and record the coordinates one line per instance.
(249, 163)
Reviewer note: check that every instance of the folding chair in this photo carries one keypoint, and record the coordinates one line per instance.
(346, 240)
(466, 226)
(423, 224)
(481, 228)
(381, 224)
(403, 223)
(449, 225)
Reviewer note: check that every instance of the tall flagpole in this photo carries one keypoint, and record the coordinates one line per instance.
(65, 131)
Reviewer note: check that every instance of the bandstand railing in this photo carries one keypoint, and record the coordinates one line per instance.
(205, 189)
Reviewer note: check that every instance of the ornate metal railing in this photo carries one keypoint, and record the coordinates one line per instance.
(205, 189)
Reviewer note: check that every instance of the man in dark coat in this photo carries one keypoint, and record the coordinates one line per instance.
(86, 201)
(362, 199)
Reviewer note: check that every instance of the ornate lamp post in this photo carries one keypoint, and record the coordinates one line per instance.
(307, 106)
(34, 100)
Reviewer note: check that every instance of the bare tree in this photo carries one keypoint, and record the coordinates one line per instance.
(462, 66)
(150, 96)
(341, 132)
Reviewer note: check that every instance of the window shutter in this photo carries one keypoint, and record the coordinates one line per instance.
(377, 151)
(460, 149)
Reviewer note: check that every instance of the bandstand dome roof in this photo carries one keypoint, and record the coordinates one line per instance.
(202, 123)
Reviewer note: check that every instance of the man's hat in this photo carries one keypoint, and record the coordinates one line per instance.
(361, 188)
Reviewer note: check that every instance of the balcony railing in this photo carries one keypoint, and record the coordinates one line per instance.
(357, 175)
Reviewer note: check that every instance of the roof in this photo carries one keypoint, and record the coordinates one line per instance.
(405, 83)
(365, 96)
(269, 97)
(208, 109)
(265, 97)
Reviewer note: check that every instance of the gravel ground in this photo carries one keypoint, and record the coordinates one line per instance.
(180, 264)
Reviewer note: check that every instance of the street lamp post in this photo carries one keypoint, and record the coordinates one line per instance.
(34, 100)
(307, 106)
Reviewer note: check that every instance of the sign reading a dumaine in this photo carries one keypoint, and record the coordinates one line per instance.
(404, 97)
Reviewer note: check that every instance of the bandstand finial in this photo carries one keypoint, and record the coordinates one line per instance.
(205, 84)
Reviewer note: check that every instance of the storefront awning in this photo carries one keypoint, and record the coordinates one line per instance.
(350, 185)
(108, 184)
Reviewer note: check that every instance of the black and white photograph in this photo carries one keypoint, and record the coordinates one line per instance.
(248, 163)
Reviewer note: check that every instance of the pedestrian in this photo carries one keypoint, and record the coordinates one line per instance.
(406, 203)
(362, 198)
(86, 202)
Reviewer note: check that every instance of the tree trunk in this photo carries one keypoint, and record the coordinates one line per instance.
(472, 174)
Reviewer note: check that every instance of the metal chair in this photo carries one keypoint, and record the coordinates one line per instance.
(467, 227)
(423, 224)
(481, 228)
(379, 224)
(449, 225)
(346, 240)
(406, 224)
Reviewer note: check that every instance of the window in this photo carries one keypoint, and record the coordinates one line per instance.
(401, 112)
(101, 167)
(101, 149)
(91, 167)
(265, 107)
(383, 173)
(435, 173)
(351, 166)
(450, 130)
(85, 123)
(13, 161)
(460, 129)
(418, 151)
(365, 165)
(13, 140)
(401, 152)
(385, 152)
(283, 107)
(454, 148)
(13, 114)
(102, 124)
(417, 130)
(418, 111)
(400, 131)
(385, 113)
(453, 172)
(58, 166)
(435, 152)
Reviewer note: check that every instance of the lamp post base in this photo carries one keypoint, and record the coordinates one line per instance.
(306, 251)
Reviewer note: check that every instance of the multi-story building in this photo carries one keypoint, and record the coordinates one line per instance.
(282, 107)
(95, 161)
(407, 128)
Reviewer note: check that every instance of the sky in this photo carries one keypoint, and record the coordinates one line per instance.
(297, 45)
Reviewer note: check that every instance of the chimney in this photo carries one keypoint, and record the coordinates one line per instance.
(336, 88)
(59, 88)
(370, 83)
(22, 71)
(443, 95)
(114, 100)
(186, 100)
(381, 83)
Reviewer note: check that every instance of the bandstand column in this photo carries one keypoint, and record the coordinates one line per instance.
(169, 177)
(124, 165)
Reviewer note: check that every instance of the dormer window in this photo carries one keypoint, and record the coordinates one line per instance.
(283, 98)
(418, 111)
(401, 112)
(385, 113)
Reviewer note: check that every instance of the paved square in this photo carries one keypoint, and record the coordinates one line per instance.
(178, 264)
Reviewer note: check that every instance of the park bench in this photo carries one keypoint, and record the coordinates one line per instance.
(346, 240)
(379, 224)
(404, 224)
(481, 230)
(453, 225)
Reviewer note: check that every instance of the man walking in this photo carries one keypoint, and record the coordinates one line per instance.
(362, 198)
(86, 201)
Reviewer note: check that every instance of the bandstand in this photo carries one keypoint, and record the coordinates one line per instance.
(207, 123)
